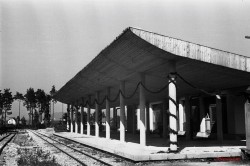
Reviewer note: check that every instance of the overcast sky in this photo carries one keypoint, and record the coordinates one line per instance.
(46, 42)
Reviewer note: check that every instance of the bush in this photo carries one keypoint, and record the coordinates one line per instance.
(35, 158)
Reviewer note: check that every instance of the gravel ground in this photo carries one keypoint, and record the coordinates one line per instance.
(61, 158)
(10, 155)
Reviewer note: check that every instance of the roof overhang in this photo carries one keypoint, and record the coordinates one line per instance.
(138, 51)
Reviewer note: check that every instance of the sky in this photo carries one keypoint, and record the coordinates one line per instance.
(46, 42)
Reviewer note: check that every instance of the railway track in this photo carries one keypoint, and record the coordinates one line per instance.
(81, 153)
(4, 140)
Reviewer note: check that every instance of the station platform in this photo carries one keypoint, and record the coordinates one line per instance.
(157, 148)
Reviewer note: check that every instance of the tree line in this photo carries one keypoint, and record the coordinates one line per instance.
(36, 102)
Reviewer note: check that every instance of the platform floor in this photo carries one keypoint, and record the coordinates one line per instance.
(157, 148)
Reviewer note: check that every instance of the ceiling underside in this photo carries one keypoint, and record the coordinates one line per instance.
(130, 55)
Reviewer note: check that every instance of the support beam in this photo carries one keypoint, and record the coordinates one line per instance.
(147, 118)
(82, 121)
(247, 124)
(107, 115)
(142, 112)
(88, 116)
(172, 108)
(71, 119)
(202, 132)
(219, 120)
(122, 112)
(97, 115)
(181, 118)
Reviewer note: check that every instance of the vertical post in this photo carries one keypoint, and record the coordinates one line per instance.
(219, 119)
(97, 115)
(172, 108)
(71, 119)
(151, 118)
(88, 116)
(82, 123)
(107, 115)
(122, 112)
(68, 116)
(142, 112)
(147, 117)
(247, 124)
(181, 117)
(76, 117)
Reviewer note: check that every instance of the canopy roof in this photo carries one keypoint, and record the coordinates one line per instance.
(139, 51)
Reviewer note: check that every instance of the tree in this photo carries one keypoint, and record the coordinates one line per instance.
(7, 101)
(19, 97)
(36, 118)
(30, 101)
(41, 100)
(1, 106)
(52, 93)
(47, 110)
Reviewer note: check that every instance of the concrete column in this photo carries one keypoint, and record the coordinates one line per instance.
(71, 119)
(188, 118)
(172, 108)
(142, 112)
(88, 116)
(76, 117)
(151, 118)
(97, 115)
(147, 117)
(219, 119)
(181, 117)
(108, 115)
(68, 117)
(202, 132)
(122, 112)
(247, 124)
(82, 122)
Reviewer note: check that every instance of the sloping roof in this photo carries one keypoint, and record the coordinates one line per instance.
(137, 50)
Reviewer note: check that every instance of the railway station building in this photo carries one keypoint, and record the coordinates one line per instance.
(144, 84)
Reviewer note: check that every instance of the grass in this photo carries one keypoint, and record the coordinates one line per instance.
(35, 157)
